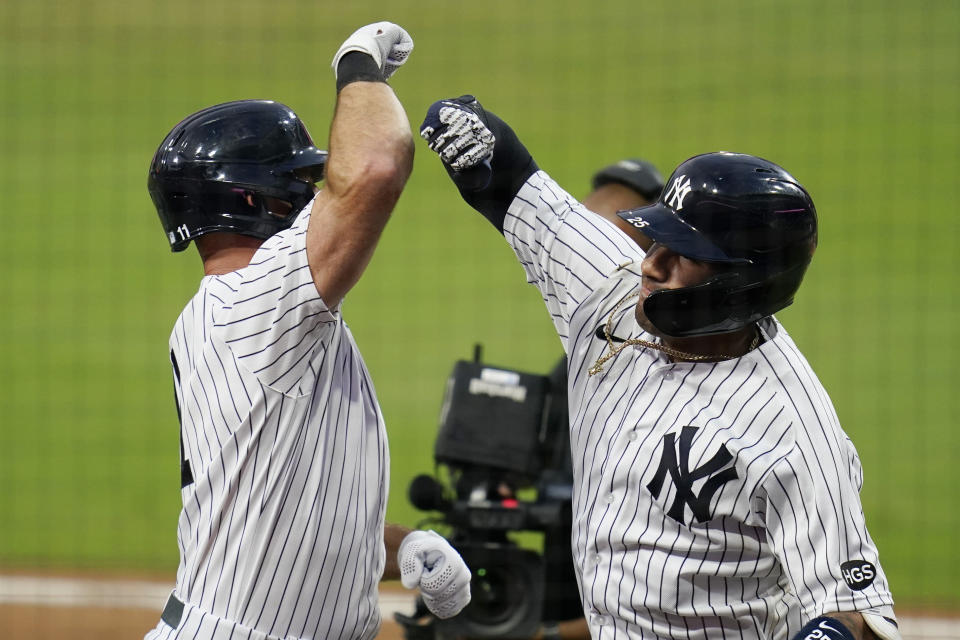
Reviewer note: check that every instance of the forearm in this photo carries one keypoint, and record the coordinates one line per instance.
(371, 148)
(393, 535)
(511, 166)
(853, 621)
(371, 156)
(576, 629)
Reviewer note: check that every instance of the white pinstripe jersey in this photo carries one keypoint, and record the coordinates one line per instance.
(711, 500)
(281, 533)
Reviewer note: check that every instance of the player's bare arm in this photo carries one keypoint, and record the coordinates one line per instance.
(854, 623)
(371, 156)
(393, 535)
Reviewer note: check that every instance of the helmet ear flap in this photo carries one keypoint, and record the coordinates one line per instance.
(695, 310)
(726, 302)
(740, 295)
(738, 304)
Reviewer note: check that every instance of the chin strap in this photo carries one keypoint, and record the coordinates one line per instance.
(676, 354)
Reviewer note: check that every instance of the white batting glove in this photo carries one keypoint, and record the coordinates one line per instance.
(428, 561)
(388, 44)
(453, 129)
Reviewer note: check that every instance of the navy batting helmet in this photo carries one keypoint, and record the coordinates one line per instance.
(218, 168)
(743, 213)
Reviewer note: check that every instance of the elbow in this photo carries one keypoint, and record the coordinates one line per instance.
(380, 176)
(383, 181)
(392, 159)
(392, 168)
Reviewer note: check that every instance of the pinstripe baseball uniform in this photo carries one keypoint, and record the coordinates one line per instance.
(711, 500)
(281, 532)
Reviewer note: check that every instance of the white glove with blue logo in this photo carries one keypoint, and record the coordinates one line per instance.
(388, 44)
(428, 561)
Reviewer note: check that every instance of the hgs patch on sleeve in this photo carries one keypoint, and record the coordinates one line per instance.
(858, 574)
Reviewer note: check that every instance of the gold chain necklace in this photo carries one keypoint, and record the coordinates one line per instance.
(670, 351)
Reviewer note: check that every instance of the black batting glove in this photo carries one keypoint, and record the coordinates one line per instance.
(481, 153)
(454, 130)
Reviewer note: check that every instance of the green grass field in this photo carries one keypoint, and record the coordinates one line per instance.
(860, 100)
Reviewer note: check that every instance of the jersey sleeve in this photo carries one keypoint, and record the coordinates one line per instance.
(810, 505)
(275, 317)
(565, 249)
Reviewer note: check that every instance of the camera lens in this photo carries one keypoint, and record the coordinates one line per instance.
(506, 593)
(494, 596)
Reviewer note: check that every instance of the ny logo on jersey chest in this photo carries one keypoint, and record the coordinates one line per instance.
(676, 462)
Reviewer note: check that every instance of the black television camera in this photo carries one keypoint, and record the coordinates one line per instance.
(501, 431)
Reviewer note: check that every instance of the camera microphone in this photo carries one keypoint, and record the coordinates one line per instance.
(426, 494)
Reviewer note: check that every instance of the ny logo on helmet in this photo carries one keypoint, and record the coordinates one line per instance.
(678, 191)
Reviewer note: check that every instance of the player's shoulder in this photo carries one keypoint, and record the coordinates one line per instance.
(281, 255)
(797, 392)
(614, 295)
(757, 415)
(214, 293)
(788, 371)
(542, 198)
(192, 326)
(218, 291)
(541, 189)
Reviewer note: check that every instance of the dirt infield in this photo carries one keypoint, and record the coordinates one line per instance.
(96, 623)
(56, 607)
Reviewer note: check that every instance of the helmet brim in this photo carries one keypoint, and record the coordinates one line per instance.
(662, 225)
(311, 159)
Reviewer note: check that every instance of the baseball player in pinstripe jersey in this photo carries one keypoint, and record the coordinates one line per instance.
(715, 493)
(284, 460)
